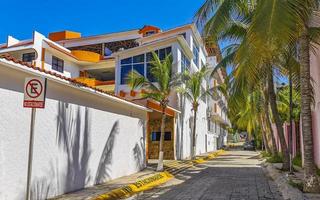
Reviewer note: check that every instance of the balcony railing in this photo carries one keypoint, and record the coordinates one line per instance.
(107, 86)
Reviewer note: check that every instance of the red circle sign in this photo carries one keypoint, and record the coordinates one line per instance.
(34, 88)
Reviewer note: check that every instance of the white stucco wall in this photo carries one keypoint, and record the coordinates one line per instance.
(80, 139)
(71, 70)
(184, 128)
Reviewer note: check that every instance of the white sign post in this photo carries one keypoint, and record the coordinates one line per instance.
(34, 97)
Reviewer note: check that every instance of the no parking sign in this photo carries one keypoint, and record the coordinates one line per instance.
(34, 92)
(34, 97)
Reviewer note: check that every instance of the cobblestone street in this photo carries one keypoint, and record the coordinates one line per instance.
(237, 175)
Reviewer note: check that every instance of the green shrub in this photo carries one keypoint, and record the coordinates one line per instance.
(318, 171)
(265, 154)
(297, 161)
(275, 159)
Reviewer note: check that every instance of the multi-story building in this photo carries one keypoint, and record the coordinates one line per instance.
(217, 107)
(103, 62)
(94, 127)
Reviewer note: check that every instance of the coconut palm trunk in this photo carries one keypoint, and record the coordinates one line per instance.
(278, 122)
(264, 134)
(311, 183)
(274, 150)
(268, 122)
(195, 110)
(163, 125)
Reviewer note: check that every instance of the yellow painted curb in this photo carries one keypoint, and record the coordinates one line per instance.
(149, 182)
(139, 186)
(209, 157)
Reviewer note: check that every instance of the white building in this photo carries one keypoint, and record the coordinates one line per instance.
(92, 129)
(81, 137)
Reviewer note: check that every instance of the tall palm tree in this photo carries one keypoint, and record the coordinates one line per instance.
(274, 26)
(159, 90)
(311, 183)
(268, 122)
(288, 22)
(234, 20)
(194, 91)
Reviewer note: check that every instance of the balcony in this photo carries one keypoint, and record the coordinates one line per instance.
(107, 86)
(86, 56)
(218, 115)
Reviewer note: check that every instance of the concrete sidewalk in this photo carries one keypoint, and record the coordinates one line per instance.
(172, 166)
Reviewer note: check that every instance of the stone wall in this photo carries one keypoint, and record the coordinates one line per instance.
(155, 125)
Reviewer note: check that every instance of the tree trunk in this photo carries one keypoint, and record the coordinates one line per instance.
(278, 122)
(298, 142)
(193, 154)
(264, 134)
(163, 125)
(268, 122)
(311, 182)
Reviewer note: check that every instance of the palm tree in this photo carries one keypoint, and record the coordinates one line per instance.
(268, 122)
(159, 90)
(194, 92)
(234, 20)
(287, 23)
(311, 182)
(274, 25)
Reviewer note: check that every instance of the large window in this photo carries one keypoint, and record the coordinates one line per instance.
(185, 63)
(57, 64)
(135, 63)
(141, 64)
(28, 57)
(196, 54)
(155, 136)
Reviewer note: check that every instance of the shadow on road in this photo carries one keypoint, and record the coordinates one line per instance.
(236, 175)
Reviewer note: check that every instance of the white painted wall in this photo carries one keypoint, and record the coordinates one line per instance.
(80, 139)
(71, 70)
(315, 75)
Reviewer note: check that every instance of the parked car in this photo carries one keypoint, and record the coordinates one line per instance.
(249, 145)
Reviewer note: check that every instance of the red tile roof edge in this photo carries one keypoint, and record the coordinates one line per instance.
(8, 57)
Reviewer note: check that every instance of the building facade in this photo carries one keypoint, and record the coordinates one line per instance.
(88, 95)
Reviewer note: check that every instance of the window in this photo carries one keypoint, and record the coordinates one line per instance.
(155, 136)
(141, 64)
(185, 63)
(28, 57)
(184, 35)
(135, 63)
(196, 54)
(125, 69)
(149, 33)
(150, 77)
(57, 64)
(209, 124)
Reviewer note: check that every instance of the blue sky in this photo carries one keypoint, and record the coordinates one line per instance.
(91, 17)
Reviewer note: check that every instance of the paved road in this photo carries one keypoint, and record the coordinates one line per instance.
(236, 175)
